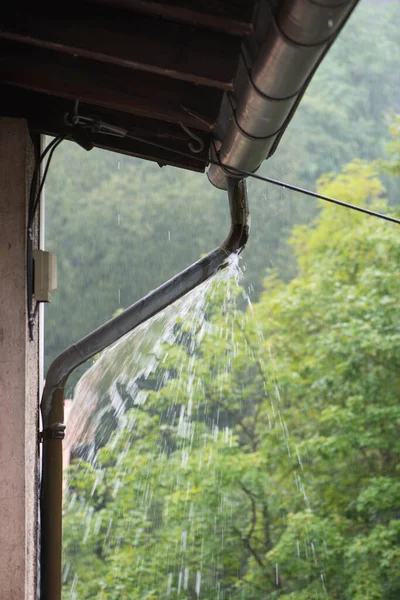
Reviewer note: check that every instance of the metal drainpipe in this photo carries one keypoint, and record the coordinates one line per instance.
(276, 66)
(52, 405)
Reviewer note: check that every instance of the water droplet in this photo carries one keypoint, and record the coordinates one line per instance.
(198, 583)
(323, 584)
(179, 582)
(186, 579)
(183, 541)
(169, 584)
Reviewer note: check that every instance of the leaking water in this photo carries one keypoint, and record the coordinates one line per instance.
(169, 493)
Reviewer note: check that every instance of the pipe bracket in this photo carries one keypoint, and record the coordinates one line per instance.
(56, 431)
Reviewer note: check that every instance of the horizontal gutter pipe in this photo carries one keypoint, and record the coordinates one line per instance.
(52, 405)
(273, 74)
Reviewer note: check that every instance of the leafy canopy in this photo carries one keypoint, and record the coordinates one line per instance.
(265, 460)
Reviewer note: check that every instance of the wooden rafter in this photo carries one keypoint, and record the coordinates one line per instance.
(109, 86)
(127, 40)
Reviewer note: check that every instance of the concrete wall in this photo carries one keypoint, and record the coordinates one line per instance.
(19, 375)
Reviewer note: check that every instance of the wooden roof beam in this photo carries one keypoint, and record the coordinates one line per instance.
(126, 39)
(46, 115)
(139, 93)
(232, 16)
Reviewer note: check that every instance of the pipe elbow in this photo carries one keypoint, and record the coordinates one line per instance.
(240, 217)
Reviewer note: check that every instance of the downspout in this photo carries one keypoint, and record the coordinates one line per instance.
(276, 65)
(52, 405)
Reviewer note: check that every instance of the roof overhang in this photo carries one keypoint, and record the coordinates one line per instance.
(162, 80)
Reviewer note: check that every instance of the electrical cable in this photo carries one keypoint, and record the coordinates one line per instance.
(34, 199)
(295, 188)
(38, 160)
(87, 123)
(233, 171)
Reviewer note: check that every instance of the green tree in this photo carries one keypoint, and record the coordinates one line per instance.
(265, 461)
(334, 331)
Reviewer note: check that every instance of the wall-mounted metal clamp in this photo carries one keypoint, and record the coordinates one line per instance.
(56, 431)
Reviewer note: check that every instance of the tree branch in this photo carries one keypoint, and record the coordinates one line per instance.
(250, 548)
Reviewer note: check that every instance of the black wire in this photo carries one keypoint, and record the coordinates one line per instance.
(34, 199)
(51, 147)
(295, 188)
(39, 159)
(233, 171)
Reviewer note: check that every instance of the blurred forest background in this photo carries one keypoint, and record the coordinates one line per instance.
(264, 462)
(120, 226)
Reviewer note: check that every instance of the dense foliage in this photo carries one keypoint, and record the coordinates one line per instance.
(120, 226)
(265, 460)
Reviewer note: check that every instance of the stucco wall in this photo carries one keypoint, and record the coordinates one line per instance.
(19, 375)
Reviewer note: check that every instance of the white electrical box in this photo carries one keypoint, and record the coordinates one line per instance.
(45, 275)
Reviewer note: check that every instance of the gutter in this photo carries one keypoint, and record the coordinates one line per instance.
(52, 405)
(276, 65)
